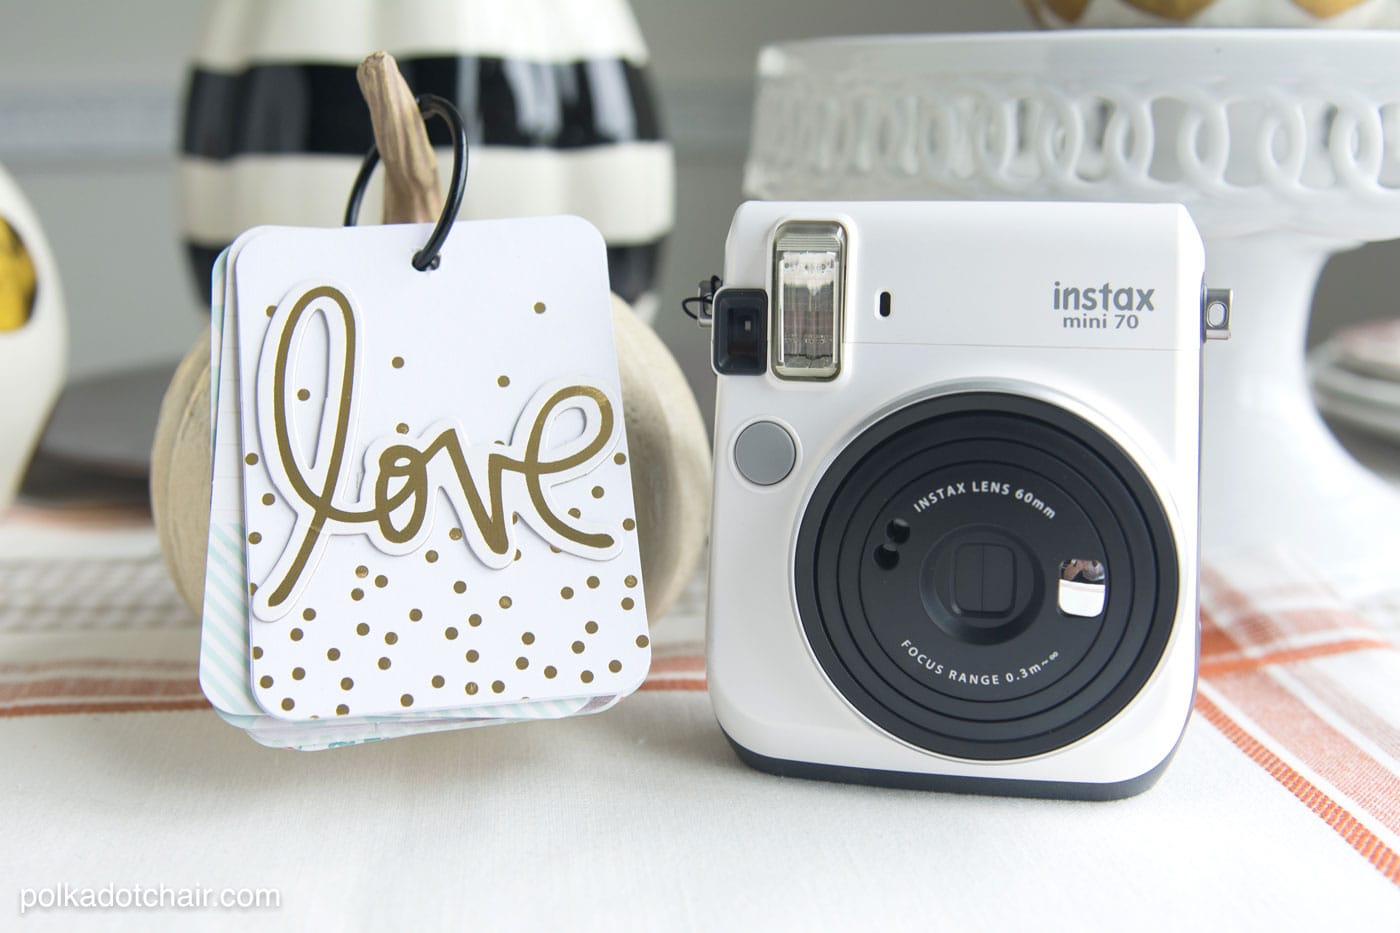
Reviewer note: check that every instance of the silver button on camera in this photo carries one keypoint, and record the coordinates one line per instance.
(765, 453)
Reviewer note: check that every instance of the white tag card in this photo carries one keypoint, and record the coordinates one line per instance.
(436, 521)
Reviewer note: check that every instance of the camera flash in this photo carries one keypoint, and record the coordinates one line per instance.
(808, 280)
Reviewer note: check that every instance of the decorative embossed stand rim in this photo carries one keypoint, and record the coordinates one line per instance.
(1284, 145)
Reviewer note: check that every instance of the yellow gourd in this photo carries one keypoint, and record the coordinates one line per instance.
(1095, 14)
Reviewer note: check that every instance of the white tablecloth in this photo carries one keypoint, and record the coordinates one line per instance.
(1279, 811)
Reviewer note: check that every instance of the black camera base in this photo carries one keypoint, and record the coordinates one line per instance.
(1053, 790)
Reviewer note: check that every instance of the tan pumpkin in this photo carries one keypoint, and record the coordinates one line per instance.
(666, 438)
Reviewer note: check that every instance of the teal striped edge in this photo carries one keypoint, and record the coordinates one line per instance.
(223, 655)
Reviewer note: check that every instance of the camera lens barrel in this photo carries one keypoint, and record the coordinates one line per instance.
(986, 576)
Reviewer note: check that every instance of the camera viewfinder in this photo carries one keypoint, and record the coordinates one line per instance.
(741, 332)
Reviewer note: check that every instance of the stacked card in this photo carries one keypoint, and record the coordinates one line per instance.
(421, 513)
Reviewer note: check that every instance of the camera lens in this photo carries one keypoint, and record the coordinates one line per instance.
(986, 576)
(977, 584)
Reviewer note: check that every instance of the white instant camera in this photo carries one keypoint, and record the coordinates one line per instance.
(955, 512)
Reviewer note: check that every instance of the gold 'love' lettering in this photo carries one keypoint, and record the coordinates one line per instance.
(396, 499)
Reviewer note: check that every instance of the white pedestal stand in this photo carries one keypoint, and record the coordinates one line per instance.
(1284, 145)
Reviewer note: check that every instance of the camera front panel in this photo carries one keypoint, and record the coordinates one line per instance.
(1097, 429)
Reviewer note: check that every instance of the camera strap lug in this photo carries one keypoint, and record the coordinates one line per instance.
(1215, 312)
(700, 307)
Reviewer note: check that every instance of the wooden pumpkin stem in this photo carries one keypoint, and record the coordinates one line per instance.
(412, 192)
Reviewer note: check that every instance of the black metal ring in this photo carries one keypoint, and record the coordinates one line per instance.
(430, 105)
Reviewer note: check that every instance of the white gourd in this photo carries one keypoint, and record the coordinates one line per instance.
(33, 334)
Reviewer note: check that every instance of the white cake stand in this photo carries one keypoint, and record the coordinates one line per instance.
(1284, 145)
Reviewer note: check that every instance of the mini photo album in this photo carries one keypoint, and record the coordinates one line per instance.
(421, 515)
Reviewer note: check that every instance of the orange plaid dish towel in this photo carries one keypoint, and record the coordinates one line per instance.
(1307, 684)
(1302, 679)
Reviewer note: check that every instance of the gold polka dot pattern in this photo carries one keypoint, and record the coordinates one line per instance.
(575, 623)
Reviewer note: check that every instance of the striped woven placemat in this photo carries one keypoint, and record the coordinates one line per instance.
(1301, 681)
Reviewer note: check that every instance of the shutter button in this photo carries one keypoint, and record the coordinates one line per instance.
(765, 453)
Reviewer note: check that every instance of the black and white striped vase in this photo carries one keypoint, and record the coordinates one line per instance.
(555, 93)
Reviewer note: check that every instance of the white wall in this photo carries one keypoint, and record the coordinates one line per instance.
(89, 99)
